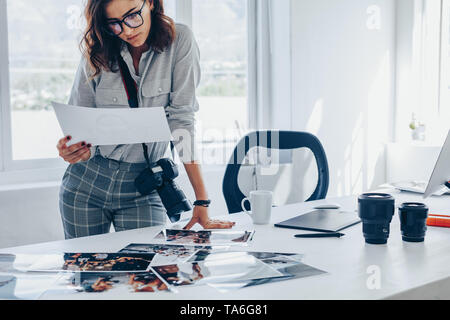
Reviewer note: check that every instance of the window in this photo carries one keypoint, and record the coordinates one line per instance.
(444, 102)
(40, 53)
(423, 70)
(220, 27)
(170, 8)
(43, 57)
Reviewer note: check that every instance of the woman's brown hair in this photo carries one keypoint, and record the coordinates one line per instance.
(101, 49)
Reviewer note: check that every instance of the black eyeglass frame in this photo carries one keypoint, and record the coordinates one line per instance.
(121, 22)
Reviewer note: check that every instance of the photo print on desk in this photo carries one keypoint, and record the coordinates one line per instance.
(166, 254)
(93, 262)
(206, 237)
(208, 255)
(289, 268)
(235, 269)
(108, 282)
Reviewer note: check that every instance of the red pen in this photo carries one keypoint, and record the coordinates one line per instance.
(438, 220)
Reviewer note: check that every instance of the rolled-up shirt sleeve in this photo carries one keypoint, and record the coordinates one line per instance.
(83, 92)
(183, 101)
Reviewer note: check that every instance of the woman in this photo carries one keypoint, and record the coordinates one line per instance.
(163, 59)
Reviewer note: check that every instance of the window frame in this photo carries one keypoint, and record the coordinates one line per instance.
(7, 164)
(5, 114)
(51, 168)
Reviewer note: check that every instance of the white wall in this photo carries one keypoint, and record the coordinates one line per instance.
(343, 64)
(29, 214)
(280, 71)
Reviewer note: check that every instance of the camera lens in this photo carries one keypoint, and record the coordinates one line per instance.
(174, 217)
(413, 217)
(174, 200)
(174, 212)
(376, 211)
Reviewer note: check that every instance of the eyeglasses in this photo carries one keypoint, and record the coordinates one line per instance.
(133, 20)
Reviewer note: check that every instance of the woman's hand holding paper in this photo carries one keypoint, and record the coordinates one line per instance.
(75, 153)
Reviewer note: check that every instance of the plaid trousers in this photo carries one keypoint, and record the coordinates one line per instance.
(101, 191)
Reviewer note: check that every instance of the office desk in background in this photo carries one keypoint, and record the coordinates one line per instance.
(406, 270)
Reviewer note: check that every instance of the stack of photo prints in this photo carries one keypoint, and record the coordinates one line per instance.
(176, 259)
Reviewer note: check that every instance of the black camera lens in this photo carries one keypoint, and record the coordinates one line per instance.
(174, 212)
(174, 217)
(172, 197)
(413, 217)
(376, 211)
(174, 200)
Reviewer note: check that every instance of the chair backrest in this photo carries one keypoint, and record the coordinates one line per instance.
(281, 140)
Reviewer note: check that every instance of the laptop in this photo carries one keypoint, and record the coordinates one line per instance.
(441, 171)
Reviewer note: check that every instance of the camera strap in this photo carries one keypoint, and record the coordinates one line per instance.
(132, 95)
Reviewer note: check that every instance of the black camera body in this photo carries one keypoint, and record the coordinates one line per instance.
(161, 178)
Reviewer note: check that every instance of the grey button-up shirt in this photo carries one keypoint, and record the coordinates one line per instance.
(168, 79)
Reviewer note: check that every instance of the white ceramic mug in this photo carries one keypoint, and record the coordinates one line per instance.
(261, 204)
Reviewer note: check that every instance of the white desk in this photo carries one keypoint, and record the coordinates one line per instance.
(408, 270)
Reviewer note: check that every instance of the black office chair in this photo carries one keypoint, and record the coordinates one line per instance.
(286, 140)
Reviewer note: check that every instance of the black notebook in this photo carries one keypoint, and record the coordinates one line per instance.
(321, 220)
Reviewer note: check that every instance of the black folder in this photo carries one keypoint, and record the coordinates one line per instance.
(321, 220)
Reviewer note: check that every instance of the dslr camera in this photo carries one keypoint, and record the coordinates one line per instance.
(161, 178)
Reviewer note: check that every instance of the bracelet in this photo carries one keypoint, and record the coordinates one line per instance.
(202, 203)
